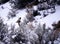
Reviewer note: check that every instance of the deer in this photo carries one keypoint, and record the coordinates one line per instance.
(18, 21)
(30, 15)
(55, 33)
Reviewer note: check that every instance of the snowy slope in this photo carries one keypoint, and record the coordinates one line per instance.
(21, 13)
(51, 18)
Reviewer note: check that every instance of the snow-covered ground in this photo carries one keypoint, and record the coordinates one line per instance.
(21, 13)
(55, 17)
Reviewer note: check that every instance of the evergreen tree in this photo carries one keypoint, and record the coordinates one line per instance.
(3, 1)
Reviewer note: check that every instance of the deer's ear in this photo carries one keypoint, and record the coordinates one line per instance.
(53, 24)
(58, 22)
(20, 18)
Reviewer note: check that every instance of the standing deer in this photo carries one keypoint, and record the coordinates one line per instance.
(53, 35)
(55, 32)
(18, 21)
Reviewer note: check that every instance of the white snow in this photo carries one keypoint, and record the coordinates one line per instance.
(51, 18)
(21, 13)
